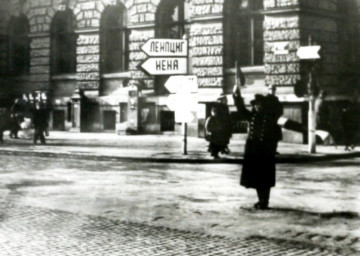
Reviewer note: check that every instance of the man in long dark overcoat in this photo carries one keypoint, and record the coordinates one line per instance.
(259, 159)
(40, 121)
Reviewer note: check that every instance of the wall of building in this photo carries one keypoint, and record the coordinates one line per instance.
(288, 24)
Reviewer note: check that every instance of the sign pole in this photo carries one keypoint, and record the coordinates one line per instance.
(311, 117)
(310, 53)
(168, 57)
(311, 114)
(185, 125)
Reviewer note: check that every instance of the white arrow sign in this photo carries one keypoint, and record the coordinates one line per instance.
(183, 116)
(309, 52)
(173, 102)
(165, 47)
(181, 101)
(165, 66)
(184, 104)
(182, 83)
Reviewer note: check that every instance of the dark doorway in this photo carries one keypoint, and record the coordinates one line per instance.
(90, 116)
(167, 121)
(69, 112)
(109, 120)
(59, 120)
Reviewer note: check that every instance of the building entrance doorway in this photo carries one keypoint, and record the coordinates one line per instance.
(90, 116)
(167, 121)
(59, 120)
(109, 117)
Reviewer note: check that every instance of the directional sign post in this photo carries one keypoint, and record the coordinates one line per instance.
(169, 57)
(310, 53)
(166, 56)
(182, 100)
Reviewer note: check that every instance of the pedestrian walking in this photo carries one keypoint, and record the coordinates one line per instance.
(216, 131)
(258, 170)
(40, 121)
(226, 122)
(17, 117)
(349, 126)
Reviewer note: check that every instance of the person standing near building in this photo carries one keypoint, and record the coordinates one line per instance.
(213, 130)
(349, 124)
(226, 122)
(258, 170)
(17, 111)
(40, 121)
(276, 108)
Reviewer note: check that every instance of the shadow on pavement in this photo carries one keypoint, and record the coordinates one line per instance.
(324, 215)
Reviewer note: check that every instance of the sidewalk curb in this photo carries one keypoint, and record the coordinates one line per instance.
(283, 159)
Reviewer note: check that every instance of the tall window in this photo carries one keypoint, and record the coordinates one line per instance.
(114, 39)
(19, 46)
(63, 43)
(243, 33)
(170, 19)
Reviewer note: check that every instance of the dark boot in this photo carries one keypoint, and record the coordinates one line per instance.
(263, 195)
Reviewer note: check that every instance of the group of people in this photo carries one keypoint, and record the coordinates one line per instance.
(36, 110)
(258, 170)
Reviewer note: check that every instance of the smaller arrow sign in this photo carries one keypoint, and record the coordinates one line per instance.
(165, 66)
(182, 83)
(184, 105)
(281, 48)
(181, 101)
(165, 47)
(309, 52)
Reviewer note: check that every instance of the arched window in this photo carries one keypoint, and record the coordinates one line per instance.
(171, 16)
(114, 39)
(243, 33)
(63, 43)
(19, 46)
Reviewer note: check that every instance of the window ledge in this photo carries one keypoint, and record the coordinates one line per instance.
(247, 70)
(64, 77)
(117, 75)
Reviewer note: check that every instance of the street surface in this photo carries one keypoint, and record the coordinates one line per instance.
(59, 206)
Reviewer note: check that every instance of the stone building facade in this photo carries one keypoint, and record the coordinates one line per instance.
(86, 54)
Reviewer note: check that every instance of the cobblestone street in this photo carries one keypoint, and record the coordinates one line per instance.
(36, 231)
